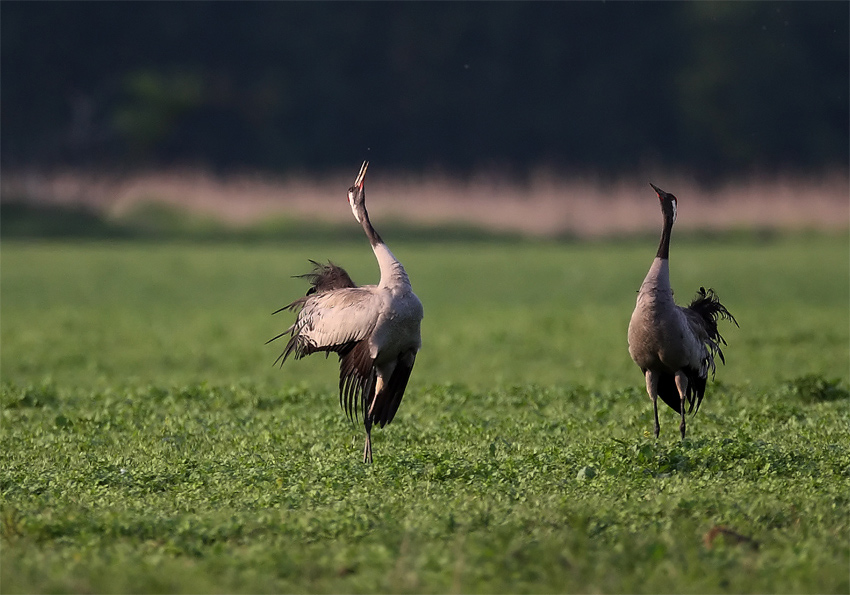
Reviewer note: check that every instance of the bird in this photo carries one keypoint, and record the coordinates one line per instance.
(374, 329)
(674, 346)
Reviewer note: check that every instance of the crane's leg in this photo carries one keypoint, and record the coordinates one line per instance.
(652, 389)
(379, 386)
(682, 387)
(367, 417)
(367, 449)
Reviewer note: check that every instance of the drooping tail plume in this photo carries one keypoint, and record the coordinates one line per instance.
(327, 277)
(707, 305)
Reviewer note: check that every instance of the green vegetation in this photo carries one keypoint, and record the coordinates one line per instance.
(148, 445)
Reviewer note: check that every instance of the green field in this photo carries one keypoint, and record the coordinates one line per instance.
(149, 445)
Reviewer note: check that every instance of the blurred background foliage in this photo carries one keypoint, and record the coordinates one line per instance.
(713, 88)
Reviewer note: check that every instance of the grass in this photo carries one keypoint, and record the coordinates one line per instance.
(148, 445)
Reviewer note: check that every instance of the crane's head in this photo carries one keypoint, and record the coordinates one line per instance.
(668, 202)
(357, 193)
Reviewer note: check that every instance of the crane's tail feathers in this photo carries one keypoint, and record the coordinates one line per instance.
(323, 278)
(706, 305)
(326, 277)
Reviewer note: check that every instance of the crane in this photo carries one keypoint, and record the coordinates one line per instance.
(675, 347)
(374, 329)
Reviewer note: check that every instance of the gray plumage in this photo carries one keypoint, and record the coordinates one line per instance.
(375, 329)
(675, 347)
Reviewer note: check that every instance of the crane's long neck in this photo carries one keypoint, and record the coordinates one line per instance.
(658, 277)
(392, 273)
(664, 244)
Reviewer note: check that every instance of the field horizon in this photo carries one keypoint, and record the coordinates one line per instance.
(543, 204)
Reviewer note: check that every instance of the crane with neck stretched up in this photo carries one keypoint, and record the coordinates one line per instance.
(675, 347)
(374, 329)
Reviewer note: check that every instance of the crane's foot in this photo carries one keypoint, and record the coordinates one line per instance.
(682, 428)
(367, 450)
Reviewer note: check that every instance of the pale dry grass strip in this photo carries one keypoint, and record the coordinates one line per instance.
(545, 205)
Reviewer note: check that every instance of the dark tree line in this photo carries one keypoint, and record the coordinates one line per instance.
(711, 87)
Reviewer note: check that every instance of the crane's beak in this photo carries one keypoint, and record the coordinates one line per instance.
(658, 190)
(359, 181)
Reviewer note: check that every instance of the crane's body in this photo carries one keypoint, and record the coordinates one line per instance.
(674, 347)
(375, 329)
(673, 343)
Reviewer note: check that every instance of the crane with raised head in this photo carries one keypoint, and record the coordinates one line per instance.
(674, 346)
(374, 329)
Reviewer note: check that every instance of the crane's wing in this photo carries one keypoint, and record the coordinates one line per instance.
(342, 321)
(356, 379)
(331, 321)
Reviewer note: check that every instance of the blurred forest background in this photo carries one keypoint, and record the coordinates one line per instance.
(716, 90)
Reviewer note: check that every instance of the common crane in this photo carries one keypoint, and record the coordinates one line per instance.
(373, 328)
(675, 347)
